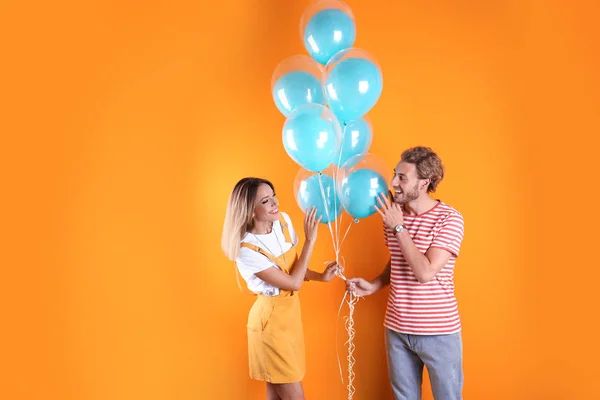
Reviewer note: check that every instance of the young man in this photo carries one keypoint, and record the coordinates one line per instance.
(422, 322)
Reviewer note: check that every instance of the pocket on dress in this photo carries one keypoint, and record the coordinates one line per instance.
(258, 318)
(265, 320)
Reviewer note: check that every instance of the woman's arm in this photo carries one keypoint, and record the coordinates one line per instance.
(325, 276)
(275, 277)
(313, 276)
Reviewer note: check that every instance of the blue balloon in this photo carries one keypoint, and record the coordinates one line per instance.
(295, 89)
(311, 137)
(310, 195)
(358, 192)
(353, 87)
(356, 139)
(327, 32)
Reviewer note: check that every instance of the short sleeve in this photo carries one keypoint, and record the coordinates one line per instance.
(251, 262)
(450, 234)
(290, 228)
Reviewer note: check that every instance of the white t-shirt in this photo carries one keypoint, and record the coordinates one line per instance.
(251, 261)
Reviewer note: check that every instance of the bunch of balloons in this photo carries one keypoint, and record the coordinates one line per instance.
(325, 97)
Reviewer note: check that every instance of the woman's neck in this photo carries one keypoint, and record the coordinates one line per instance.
(262, 227)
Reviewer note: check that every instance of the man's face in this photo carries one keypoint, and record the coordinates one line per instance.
(405, 183)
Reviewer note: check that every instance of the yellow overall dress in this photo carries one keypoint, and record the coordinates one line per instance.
(275, 334)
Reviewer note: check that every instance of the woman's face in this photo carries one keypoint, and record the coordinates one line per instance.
(266, 205)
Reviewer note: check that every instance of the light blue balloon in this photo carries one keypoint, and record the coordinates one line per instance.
(295, 89)
(353, 87)
(357, 138)
(358, 192)
(310, 195)
(327, 32)
(309, 138)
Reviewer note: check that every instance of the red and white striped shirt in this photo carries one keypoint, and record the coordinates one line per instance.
(425, 308)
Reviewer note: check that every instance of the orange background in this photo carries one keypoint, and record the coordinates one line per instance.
(125, 125)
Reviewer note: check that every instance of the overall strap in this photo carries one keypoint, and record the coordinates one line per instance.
(261, 251)
(285, 229)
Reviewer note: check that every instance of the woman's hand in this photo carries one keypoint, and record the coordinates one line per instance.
(311, 224)
(331, 270)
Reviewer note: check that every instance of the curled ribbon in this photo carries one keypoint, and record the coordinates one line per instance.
(351, 299)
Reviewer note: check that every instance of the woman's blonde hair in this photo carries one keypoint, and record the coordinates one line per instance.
(238, 217)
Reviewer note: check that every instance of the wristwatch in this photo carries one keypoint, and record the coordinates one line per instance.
(399, 228)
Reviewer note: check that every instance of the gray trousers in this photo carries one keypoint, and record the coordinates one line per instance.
(441, 354)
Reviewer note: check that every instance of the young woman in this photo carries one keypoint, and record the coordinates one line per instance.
(263, 243)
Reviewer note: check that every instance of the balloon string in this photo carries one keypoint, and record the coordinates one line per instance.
(349, 297)
(336, 169)
(337, 352)
(328, 217)
(346, 234)
(349, 325)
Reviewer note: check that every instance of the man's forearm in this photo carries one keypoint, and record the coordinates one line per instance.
(383, 279)
(417, 261)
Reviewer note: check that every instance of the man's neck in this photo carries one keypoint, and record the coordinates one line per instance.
(420, 206)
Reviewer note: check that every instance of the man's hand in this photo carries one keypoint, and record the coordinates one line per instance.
(391, 213)
(360, 287)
